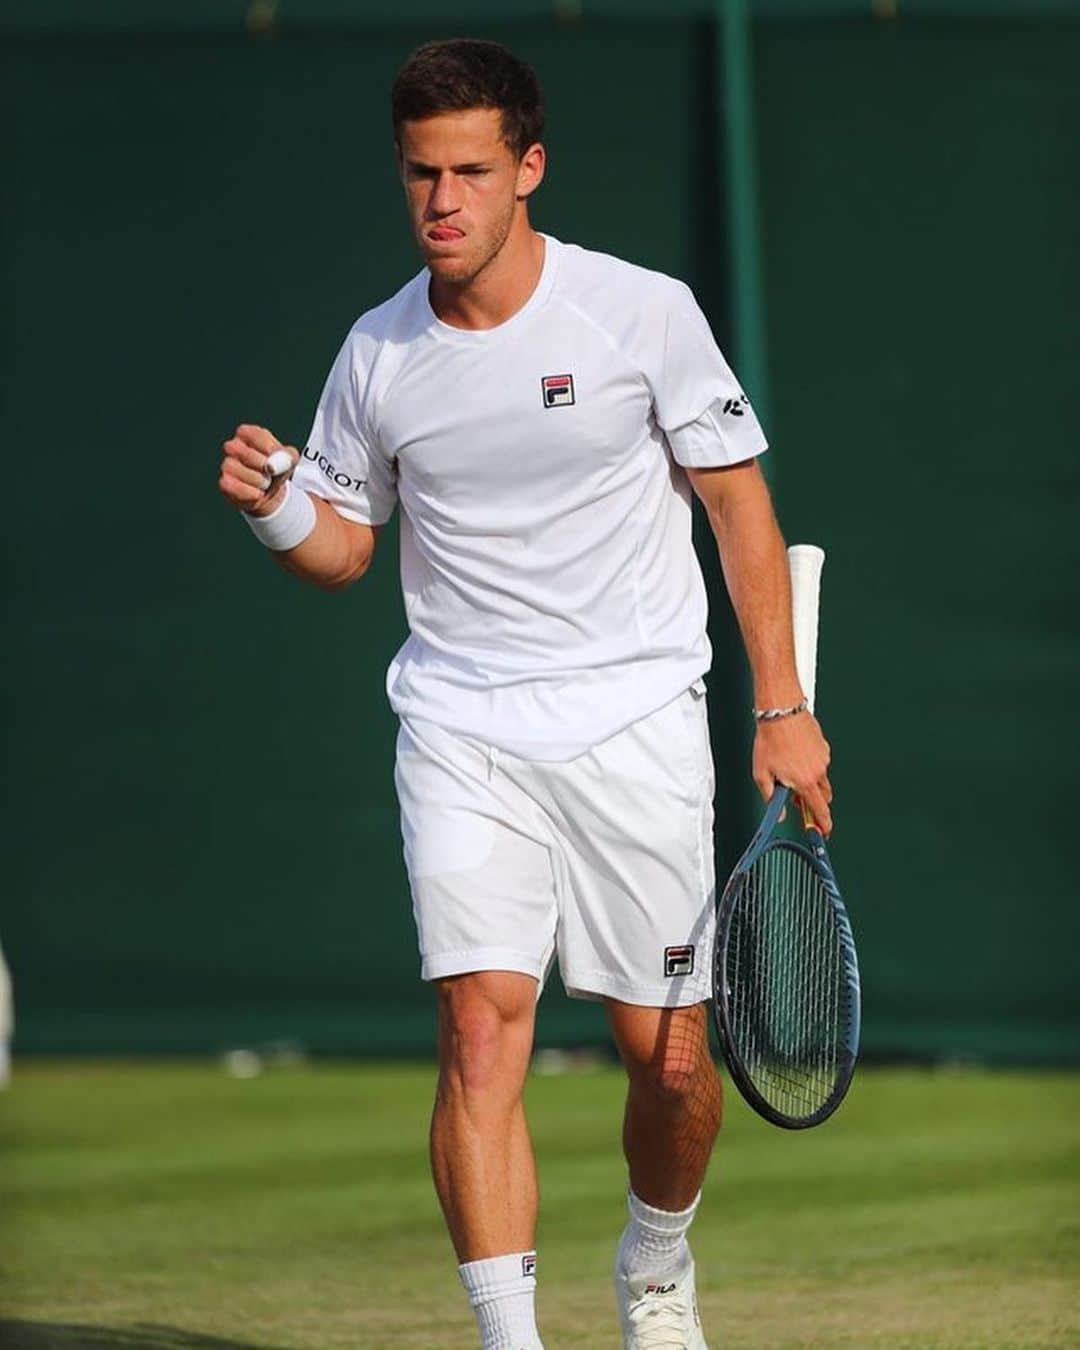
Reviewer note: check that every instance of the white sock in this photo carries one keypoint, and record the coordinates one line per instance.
(654, 1242)
(502, 1291)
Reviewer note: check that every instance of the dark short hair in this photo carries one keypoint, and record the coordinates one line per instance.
(463, 73)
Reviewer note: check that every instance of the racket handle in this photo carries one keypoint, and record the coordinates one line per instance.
(805, 562)
(278, 462)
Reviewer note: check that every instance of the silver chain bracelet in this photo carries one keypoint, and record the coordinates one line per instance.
(774, 714)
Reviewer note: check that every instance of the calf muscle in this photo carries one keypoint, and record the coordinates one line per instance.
(673, 1102)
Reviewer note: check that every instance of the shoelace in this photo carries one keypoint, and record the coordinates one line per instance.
(659, 1323)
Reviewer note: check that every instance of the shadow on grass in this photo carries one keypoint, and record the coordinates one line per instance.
(142, 1336)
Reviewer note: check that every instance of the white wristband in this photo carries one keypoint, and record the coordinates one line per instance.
(289, 524)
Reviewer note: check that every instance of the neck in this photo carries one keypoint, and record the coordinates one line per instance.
(497, 292)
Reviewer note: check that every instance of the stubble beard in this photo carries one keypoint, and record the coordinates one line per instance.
(472, 268)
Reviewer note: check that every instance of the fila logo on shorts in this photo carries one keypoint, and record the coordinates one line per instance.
(528, 1264)
(678, 960)
(558, 390)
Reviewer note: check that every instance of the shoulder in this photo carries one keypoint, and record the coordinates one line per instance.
(602, 280)
(633, 307)
(396, 320)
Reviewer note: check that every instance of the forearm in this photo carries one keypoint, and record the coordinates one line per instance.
(335, 553)
(790, 750)
(754, 561)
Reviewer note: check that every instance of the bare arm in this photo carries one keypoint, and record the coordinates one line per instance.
(336, 553)
(791, 750)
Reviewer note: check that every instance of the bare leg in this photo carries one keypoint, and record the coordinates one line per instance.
(481, 1154)
(673, 1105)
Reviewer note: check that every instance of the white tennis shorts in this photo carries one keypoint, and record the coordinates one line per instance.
(606, 859)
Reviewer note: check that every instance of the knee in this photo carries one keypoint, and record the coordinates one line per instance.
(670, 1061)
(485, 1039)
(672, 1081)
(682, 1093)
(473, 1049)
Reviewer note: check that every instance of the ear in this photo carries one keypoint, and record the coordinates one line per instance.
(531, 170)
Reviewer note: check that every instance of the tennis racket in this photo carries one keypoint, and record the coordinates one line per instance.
(785, 974)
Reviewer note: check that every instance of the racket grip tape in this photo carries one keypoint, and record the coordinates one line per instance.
(805, 562)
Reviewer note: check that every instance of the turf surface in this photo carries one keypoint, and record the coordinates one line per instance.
(160, 1207)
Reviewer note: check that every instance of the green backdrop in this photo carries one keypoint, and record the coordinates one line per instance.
(921, 217)
(202, 837)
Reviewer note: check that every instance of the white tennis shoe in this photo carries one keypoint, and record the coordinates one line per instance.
(659, 1314)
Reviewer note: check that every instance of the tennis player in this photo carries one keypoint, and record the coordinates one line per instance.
(541, 414)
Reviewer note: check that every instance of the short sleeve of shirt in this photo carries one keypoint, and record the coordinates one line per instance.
(698, 402)
(342, 461)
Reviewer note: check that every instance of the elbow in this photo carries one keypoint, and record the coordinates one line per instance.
(332, 585)
(343, 580)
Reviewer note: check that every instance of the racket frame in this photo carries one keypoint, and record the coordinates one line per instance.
(814, 851)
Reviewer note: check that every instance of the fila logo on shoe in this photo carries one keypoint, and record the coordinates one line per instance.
(659, 1288)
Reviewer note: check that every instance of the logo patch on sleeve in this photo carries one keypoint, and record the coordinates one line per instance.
(558, 390)
(528, 1264)
(678, 960)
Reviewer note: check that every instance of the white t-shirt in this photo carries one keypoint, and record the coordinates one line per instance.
(551, 587)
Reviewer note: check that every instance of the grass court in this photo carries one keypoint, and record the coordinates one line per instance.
(164, 1206)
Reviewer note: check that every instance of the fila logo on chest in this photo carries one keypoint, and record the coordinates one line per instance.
(558, 390)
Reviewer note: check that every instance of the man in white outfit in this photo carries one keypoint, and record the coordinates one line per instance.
(541, 413)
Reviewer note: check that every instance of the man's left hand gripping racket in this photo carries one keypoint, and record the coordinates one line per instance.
(785, 974)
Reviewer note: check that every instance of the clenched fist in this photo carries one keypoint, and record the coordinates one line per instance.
(244, 479)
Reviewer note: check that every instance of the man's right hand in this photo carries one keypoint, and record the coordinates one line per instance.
(243, 480)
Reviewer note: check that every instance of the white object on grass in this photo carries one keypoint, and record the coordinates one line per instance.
(242, 1063)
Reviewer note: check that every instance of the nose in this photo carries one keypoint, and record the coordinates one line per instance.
(444, 199)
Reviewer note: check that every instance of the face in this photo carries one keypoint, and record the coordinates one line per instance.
(465, 189)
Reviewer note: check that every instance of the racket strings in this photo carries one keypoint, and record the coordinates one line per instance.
(788, 993)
